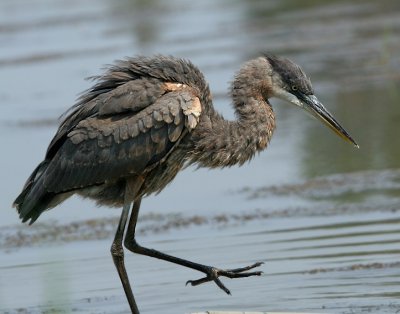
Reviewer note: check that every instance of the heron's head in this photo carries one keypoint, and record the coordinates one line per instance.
(291, 84)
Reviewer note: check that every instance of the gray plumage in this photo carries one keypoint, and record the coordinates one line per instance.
(126, 125)
(142, 114)
(145, 119)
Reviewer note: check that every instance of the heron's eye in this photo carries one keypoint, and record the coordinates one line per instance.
(294, 88)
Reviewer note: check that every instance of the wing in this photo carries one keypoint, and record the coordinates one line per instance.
(116, 143)
(131, 96)
(129, 121)
(131, 85)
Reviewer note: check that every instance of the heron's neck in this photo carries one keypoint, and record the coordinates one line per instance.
(221, 143)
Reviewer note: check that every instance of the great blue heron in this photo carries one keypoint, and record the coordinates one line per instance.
(146, 118)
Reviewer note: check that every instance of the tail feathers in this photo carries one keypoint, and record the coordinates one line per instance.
(34, 199)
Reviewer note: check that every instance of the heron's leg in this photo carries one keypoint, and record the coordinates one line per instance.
(212, 273)
(117, 253)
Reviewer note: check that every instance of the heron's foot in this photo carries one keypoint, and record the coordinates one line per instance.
(213, 273)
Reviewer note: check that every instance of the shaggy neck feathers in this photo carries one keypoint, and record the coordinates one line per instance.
(221, 143)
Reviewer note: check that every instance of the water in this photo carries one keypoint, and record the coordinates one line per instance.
(321, 214)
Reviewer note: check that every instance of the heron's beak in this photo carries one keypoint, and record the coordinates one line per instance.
(313, 106)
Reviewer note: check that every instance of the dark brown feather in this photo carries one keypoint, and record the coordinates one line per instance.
(123, 152)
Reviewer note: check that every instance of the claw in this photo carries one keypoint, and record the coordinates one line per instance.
(206, 279)
(197, 282)
(242, 269)
(213, 274)
(222, 286)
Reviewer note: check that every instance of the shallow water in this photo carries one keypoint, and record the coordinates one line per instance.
(321, 214)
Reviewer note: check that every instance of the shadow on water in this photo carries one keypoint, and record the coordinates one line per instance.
(322, 215)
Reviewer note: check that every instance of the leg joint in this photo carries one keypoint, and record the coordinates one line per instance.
(117, 250)
(131, 244)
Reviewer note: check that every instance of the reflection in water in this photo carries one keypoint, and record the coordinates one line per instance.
(374, 115)
(139, 19)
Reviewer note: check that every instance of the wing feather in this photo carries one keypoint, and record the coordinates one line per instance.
(174, 131)
(132, 96)
(107, 148)
(129, 97)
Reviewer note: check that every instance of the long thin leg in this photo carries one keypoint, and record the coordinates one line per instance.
(212, 273)
(117, 253)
